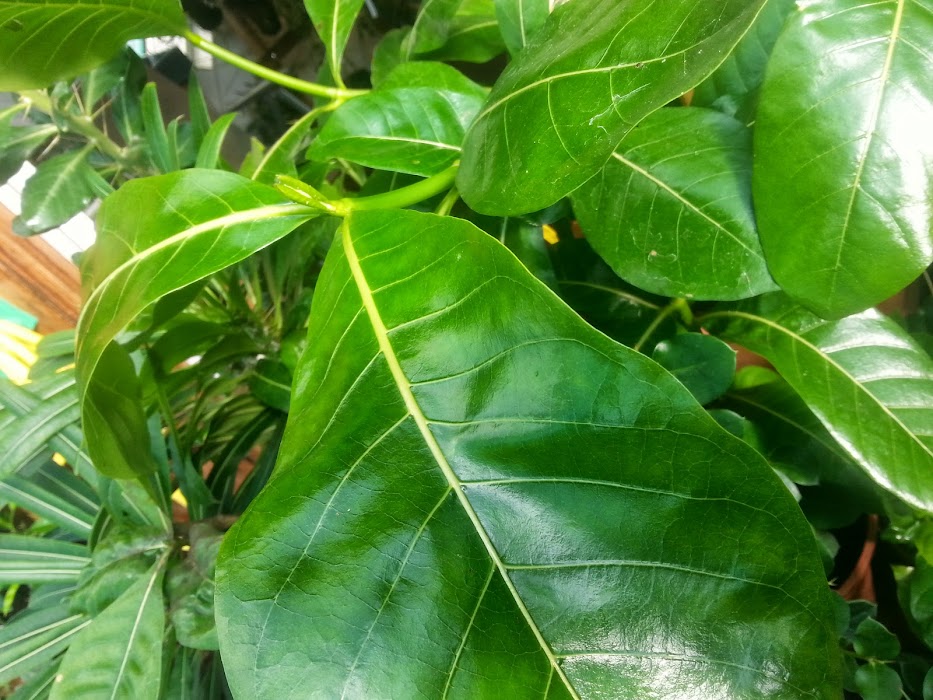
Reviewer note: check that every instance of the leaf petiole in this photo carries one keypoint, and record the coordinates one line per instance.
(273, 76)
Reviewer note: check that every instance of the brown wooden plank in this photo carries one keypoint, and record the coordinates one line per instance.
(37, 279)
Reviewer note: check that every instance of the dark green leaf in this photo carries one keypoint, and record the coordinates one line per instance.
(60, 188)
(519, 20)
(736, 82)
(471, 38)
(872, 640)
(878, 682)
(33, 638)
(126, 640)
(21, 438)
(42, 42)
(792, 438)
(271, 383)
(199, 114)
(702, 363)
(102, 80)
(431, 27)
(672, 210)
(333, 20)
(560, 109)
(36, 686)
(185, 226)
(863, 377)
(928, 686)
(387, 55)
(190, 587)
(26, 559)
(452, 526)
(27, 494)
(414, 130)
(844, 153)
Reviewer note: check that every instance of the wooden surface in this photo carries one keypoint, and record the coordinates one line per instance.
(37, 279)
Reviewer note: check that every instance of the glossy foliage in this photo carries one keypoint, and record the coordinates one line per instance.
(454, 531)
(594, 70)
(671, 212)
(203, 221)
(519, 20)
(333, 20)
(844, 153)
(41, 42)
(414, 123)
(864, 377)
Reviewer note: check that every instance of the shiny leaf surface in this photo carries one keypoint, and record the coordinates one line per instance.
(863, 377)
(60, 188)
(672, 210)
(188, 225)
(702, 363)
(415, 130)
(735, 84)
(596, 69)
(844, 153)
(43, 42)
(127, 642)
(480, 496)
(519, 20)
(333, 20)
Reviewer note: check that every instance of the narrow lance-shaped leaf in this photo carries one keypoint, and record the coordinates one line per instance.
(186, 226)
(863, 377)
(672, 210)
(127, 641)
(66, 515)
(478, 495)
(25, 559)
(333, 20)
(596, 69)
(42, 42)
(22, 437)
(844, 153)
(33, 638)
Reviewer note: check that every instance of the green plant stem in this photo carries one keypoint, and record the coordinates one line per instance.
(443, 209)
(402, 197)
(677, 305)
(273, 76)
(82, 125)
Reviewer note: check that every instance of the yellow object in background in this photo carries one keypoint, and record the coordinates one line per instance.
(17, 350)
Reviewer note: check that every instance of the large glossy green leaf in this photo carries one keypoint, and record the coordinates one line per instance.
(185, 226)
(519, 20)
(844, 153)
(478, 495)
(431, 27)
(473, 35)
(333, 20)
(672, 210)
(126, 640)
(60, 188)
(25, 559)
(595, 70)
(33, 638)
(797, 444)
(42, 42)
(735, 84)
(415, 128)
(863, 377)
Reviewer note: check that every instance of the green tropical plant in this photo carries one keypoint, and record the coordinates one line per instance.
(500, 312)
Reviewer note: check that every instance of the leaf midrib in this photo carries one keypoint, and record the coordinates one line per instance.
(414, 409)
(830, 361)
